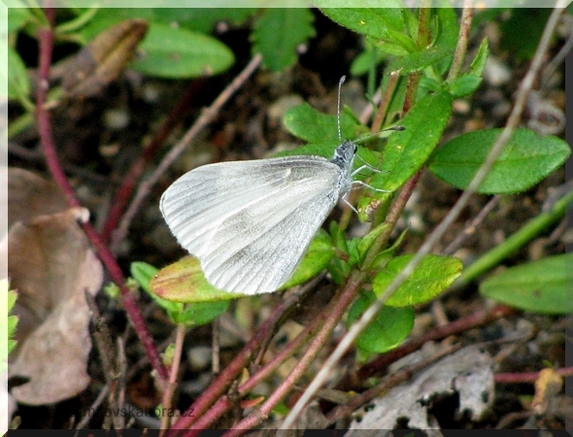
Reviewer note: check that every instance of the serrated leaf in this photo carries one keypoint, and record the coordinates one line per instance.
(389, 328)
(278, 33)
(183, 281)
(431, 277)
(317, 257)
(180, 53)
(526, 159)
(386, 24)
(542, 286)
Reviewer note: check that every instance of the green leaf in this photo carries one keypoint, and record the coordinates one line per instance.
(465, 85)
(278, 33)
(8, 322)
(418, 60)
(408, 150)
(430, 278)
(199, 313)
(478, 64)
(201, 20)
(18, 16)
(143, 273)
(386, 24)
(180, 53)
(542, 286)
(366, 60)
(192, 314)
(369, 238)
(389, 328)
(307, 123)
(184, 281)
(18, 80)
(317, 257)
(526, 159)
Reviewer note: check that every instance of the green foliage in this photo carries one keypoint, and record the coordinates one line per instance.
(390, 327)
(8, 322)
(431, 277)
(542, 286)
(180, 53)
(278, 33)
(193, 314)
(526, 159)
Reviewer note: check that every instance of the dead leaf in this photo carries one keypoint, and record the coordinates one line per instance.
(547, 387)
(30, 195)
(468, 373)
(102, 60)
(51, 265)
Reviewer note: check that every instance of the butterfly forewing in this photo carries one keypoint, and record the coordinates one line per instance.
(250, 222)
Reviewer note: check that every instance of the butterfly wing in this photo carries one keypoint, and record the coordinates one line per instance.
(250, 222)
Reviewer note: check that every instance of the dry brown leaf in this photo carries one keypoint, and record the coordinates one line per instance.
(547, 387)
(103, 59)
(51, 265)
(30, 195)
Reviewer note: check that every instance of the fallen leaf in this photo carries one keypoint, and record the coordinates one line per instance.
(468, 372)
(103, 59)
(30, 195)
(51, 265)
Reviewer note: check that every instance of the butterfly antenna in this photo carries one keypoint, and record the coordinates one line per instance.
(342, 79)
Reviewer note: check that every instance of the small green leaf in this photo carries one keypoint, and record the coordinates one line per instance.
(183, 281)
(406, 151)
(307, 123)
(18, 15)
(199, 313)
(190, 314)
(18, 80)
(369, 58)
(465, 85)
(386, 24)
(418, 60)
(278, 33)
(180, 53)
(317, 257)
(526, 159)
(542, 286)
(369, 239)
(430, 278)
(143, 273)
(389, 328)
(478, 64)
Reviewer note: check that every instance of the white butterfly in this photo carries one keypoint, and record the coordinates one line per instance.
(250, 222)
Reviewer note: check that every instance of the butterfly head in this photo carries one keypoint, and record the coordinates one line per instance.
(344, 155)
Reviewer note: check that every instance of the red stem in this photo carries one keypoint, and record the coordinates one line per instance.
(46, 41)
